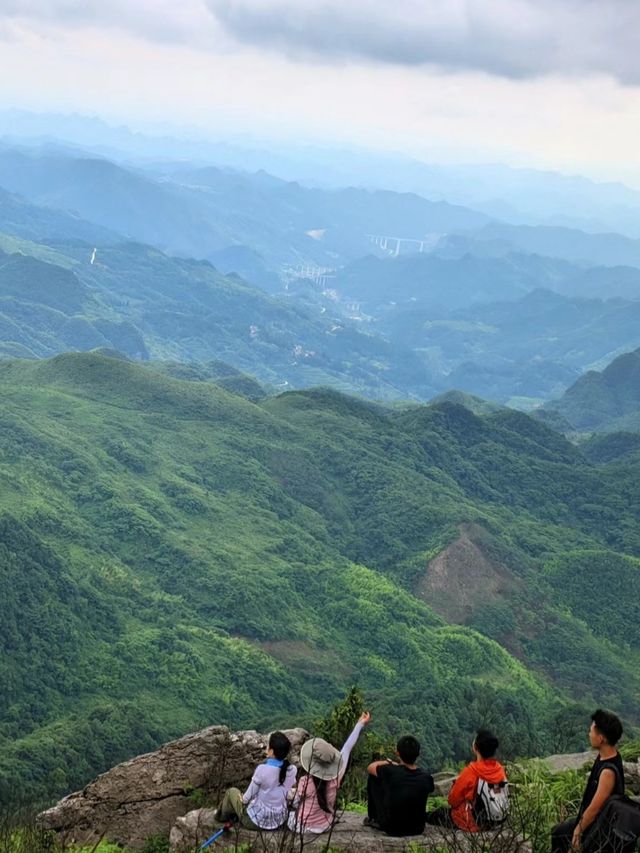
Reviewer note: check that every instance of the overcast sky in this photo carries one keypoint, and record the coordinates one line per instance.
(537, 82)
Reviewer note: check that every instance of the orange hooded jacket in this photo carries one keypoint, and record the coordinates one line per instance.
(463, 792)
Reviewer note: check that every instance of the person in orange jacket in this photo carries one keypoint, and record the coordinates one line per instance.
(462, 796)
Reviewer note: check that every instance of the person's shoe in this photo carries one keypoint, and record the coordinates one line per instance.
(223, 818)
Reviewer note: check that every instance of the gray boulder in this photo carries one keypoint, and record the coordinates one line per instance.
(569, 761)
(443, 782)
(632, 775)
(143, 797)
(347, 835)
(578, 760)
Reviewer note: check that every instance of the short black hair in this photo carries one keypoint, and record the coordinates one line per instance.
(486, 743)
(408, 749)
(608, 725)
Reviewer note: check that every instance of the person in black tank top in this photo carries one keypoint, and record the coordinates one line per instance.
(606, 778)
(599, 765)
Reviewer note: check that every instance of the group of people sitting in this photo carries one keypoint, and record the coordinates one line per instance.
(397, 789)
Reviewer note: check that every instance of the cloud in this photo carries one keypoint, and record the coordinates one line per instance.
(512, 39)
(507, 38)
(154, 20)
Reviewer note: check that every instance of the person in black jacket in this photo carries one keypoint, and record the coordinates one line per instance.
(606, 778)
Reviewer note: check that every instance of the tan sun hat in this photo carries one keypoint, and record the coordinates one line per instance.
(321, 759)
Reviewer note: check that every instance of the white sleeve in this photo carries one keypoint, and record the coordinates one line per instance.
(350, 742)
(252, 791)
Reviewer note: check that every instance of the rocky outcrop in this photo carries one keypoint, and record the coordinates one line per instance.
(632, 776)
(155, 794)
(347, 835)
(578, 760)
(443, 783)
(569, 761)
(144, 797)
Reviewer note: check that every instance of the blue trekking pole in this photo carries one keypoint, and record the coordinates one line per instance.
(216, 836)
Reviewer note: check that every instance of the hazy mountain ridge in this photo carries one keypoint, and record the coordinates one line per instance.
(410, 333)
(570, 244)
(412, 325)
(515, 194)
(214, 209)
(32, 222)
(487, 326)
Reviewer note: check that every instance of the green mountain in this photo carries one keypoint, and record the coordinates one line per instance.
(610, 446)
(172, 555)
(535, 347)
(45, 308)
(475, 404)
(604, 401)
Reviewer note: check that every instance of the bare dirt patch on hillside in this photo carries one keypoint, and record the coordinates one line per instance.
(465, 576)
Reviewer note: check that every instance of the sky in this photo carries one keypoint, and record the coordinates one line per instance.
(547, 83)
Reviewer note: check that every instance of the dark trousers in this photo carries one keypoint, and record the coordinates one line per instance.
(441, 817)
(594, 840)
(377, 802)
(561, 835)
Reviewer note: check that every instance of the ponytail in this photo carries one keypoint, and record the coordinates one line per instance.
(280, 744)
(283, 771)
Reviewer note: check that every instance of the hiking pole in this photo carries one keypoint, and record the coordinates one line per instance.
(216, 835)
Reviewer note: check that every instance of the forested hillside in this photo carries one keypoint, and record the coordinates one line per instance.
(175, 555)
(606, 401)
(420, 325)
(145, 304)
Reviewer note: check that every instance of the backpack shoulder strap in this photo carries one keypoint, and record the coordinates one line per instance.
(609, 765)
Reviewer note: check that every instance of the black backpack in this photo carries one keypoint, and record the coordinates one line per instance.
(617, 827)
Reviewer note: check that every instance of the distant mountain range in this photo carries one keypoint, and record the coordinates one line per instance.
(506, 312)
(523, 196)
(500, 328)
(200, 212)
(135, 299)
(20, 218)
(571, 244)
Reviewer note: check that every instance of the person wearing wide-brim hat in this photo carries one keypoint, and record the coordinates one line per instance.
(324, 765)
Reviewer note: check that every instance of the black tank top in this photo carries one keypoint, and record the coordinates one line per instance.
(614, 763)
